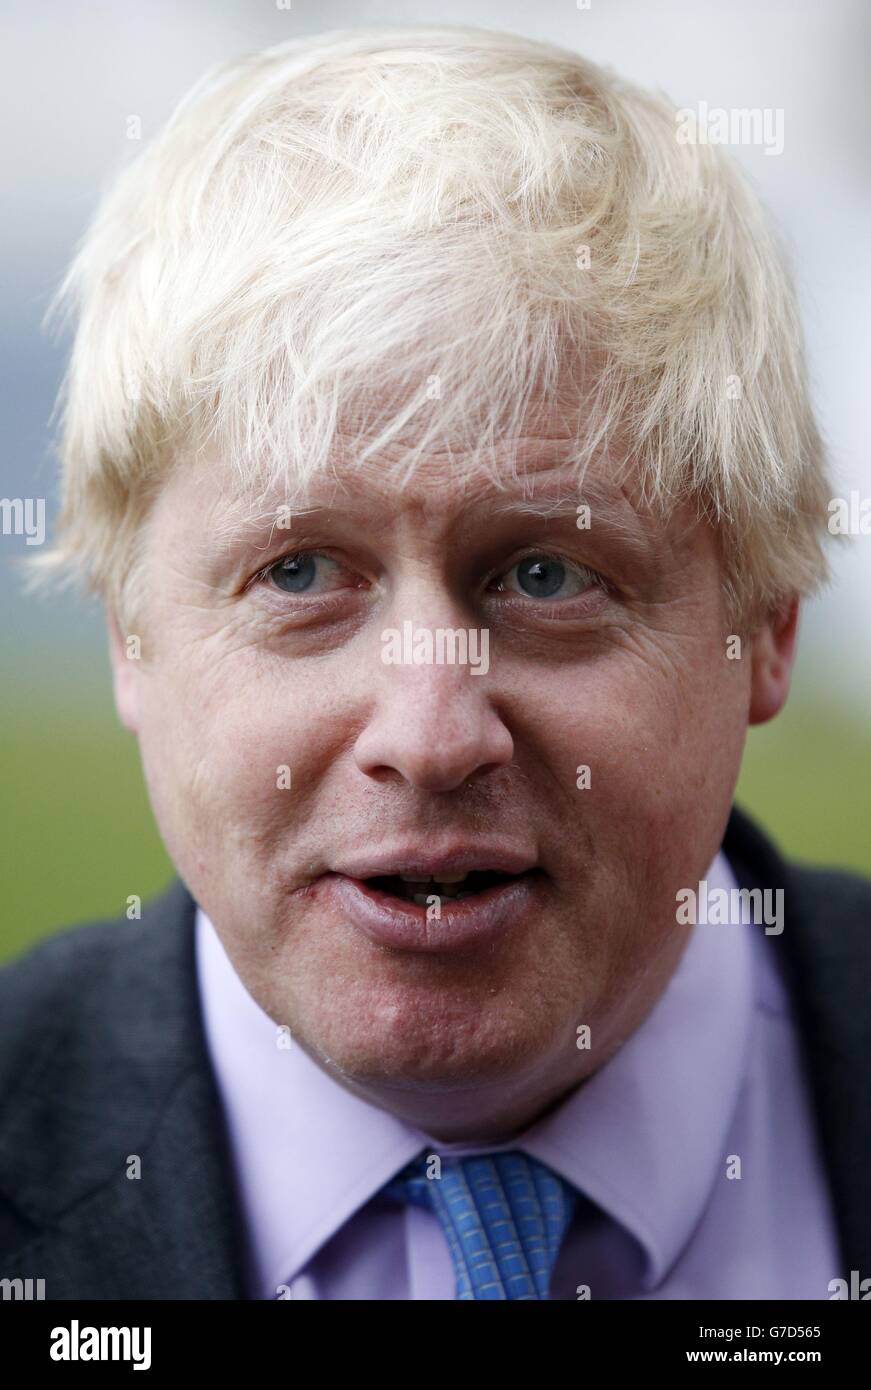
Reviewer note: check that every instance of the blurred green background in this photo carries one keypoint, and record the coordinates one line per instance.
(80, 835)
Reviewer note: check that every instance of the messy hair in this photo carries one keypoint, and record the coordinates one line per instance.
(423, 230)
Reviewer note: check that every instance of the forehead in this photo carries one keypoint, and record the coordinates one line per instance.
(537, 472)
(527, 489)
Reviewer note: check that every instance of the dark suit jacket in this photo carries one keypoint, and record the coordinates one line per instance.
(102, 1056)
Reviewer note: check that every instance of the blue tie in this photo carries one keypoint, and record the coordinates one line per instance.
(504, 1216)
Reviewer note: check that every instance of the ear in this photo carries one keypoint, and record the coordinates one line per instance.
(125, 674)
(772, 656)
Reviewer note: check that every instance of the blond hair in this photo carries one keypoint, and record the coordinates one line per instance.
(324, 229)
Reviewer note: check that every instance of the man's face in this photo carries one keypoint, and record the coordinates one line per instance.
(289, 764)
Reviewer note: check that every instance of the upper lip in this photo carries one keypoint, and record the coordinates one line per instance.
(429, 863)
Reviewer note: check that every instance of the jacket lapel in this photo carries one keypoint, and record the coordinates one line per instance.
(133, 1083)
(826, 948)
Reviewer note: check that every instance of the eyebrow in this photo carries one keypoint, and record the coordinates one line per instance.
(558, 507)
(618, 516)
(615, 513)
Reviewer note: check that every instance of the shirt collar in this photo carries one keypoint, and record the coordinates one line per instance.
(307, 1152)
(643, 1137)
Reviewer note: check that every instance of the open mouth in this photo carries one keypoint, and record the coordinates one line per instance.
(453, 888)
(453, 909)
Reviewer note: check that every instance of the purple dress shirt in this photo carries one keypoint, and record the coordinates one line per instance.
(712, 1075)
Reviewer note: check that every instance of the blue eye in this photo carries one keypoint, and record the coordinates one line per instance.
(307, 571)
(546, 576)
(294, 573)
(541, 577)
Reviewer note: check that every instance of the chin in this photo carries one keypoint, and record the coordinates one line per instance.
(401, 1044)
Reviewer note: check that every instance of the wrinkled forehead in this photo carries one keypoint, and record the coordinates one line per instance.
(388, 448)
(538, 472)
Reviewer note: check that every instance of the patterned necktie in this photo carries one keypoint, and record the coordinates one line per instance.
(504, 1216)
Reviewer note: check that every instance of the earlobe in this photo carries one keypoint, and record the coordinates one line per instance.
(772, 656)
(125, 682)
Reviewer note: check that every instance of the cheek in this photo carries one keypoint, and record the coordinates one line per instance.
(661, 733)
(235, 750)
(210, 752)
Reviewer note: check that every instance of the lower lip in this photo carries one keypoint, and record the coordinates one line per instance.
(474, 921)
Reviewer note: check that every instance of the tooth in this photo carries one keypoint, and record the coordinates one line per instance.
(452, 878)
(415, 878)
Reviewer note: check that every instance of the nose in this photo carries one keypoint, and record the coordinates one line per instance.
(435, 726)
